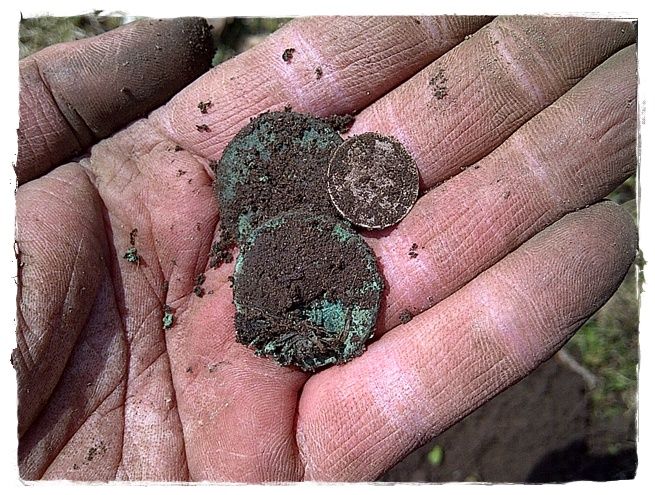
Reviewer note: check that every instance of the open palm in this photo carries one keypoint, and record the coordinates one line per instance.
(515, 129)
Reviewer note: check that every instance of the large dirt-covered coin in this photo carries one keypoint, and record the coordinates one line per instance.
(306, 290)
(276, 163)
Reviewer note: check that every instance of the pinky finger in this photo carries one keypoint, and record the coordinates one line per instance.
(358, 420)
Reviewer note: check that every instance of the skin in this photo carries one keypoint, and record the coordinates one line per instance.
(538, 123)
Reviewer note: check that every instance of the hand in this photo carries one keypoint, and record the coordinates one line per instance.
(515, 128)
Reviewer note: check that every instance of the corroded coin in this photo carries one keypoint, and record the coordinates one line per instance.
(373, 181)
(306, 290)
(276, 163)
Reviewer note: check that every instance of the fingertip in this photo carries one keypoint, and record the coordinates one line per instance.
(73, 94)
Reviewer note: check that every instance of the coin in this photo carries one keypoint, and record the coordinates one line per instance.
(274, 164)
(306, 290)
(373, 181)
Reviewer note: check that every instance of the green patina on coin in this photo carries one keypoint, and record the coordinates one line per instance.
(276, 163)
(306, 290)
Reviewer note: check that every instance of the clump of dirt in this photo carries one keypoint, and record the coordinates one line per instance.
(412, 251)
(307, 291)
(198, 289)
(340, 123)
(319, 72)
(221, 250)
(204, 106)
(287, 55)
(405, 316)
(202, 128)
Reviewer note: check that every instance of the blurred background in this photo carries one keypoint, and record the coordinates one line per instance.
(572, 419)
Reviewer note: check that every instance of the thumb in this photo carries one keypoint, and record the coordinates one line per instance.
(73, 94)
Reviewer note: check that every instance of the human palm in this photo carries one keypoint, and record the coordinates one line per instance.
(514, 130)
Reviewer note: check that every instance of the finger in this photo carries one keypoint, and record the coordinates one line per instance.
(357, 420)
(56, 287)
(466, 103)
(74, 94)
(359, 60)
(570, 155)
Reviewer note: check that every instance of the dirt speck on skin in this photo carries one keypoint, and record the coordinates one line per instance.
(287, 55)
(95, 450)
(202, 128)
(405, 316)
(340, 123)
(198, 290)
(203, 106)
(319, 72)
(438, 84)
(133, 235)
(178, 148)
(412, 251)
(180, 172)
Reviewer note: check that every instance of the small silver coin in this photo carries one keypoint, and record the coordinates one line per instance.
(373, 181)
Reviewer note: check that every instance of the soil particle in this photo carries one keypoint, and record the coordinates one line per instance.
(340, 123)
(133, 234)
(180, 172)
(307, 291)
(203, 106)
(198, 290)
(438, 84)
(287, 55)
(276, 163)
(202, 128)
(221, 251)
(169, 319)
(405, 316)
(132, 256)
(373, 181)
(178, 148)
(189, 369)
(319, 72)
(412, 251)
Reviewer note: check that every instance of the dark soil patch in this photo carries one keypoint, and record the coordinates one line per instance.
(537, 431)
(277, 163)
(438, 84)
(307, 291)
(340, 123)
(287, 55)
(372, 180)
